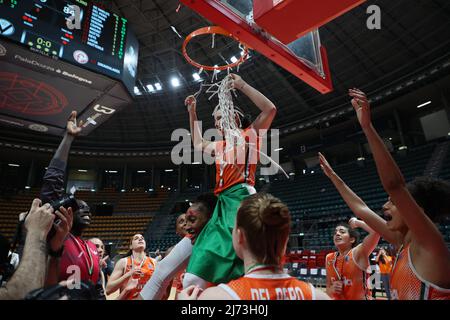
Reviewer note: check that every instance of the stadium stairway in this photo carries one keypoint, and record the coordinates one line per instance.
(436, 162)
(160, 224)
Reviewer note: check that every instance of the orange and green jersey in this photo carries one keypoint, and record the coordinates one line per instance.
(354, 278)
(237, 164)
(269, 287)
(407, 284)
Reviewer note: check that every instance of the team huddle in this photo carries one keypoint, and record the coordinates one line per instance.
(233, 242)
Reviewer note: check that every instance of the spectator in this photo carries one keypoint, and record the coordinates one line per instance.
(30, 274)
(385, 263)
(76, 251)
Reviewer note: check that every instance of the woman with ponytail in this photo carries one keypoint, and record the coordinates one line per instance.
(260, 237)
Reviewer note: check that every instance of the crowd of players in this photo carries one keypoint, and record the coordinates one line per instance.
(233, 243)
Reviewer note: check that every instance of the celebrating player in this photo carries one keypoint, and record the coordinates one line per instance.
(422, 267)
(132, 272)
(260, 238)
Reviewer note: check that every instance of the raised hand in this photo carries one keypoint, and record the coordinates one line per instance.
(236, 81)
(191, 103)
(353, 222)
(325, 166)
(362, 107)
(72, 128)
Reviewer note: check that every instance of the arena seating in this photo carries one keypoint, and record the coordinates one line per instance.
(117, 229)
(314, 201)
(140, 201)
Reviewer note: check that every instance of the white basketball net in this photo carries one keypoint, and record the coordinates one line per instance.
(230, 122)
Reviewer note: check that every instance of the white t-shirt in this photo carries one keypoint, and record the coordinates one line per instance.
(14, 259)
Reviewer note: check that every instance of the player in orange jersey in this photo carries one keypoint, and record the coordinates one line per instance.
(347, 268)
(260, 238)
(213, 259)
(132, 272)
(422, 267)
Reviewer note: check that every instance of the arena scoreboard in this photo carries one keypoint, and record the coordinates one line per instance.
(63, 55)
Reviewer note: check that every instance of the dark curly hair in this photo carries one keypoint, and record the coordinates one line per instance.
(207, 203)
(352, 232)
(432, 195)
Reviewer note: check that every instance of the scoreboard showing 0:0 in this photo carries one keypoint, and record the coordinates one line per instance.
(43, 42)
(101, 42)
(43, 45)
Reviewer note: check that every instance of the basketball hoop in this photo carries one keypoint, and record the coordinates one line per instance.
(213, 30)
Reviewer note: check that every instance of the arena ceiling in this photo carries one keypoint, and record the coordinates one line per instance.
(412, 48)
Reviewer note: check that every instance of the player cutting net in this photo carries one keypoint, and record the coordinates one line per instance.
(212, 258)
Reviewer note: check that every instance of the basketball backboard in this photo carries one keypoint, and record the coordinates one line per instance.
(304, 57)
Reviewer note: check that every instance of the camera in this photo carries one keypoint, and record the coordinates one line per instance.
(67, 201)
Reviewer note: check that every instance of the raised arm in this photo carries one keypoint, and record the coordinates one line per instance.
(200, 144)
(356, 204)
(268, 109)
(370, 242)
(422, 229)
(30, 274)
(53, 189)
(53, 182)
